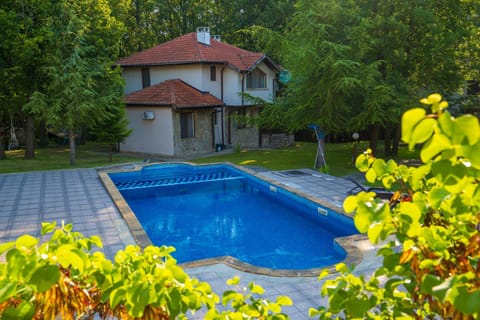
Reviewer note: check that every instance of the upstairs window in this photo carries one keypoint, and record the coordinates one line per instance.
(145, 77)
(187, 128)
(213, 73)
(256, 80)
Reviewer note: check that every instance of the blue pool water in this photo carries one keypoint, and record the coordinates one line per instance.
(218, 210)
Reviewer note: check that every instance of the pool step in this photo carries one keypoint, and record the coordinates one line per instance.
(169, 181)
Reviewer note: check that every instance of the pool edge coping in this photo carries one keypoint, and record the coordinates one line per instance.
(354, 255)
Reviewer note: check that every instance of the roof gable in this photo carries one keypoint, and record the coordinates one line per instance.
(187, 50)
(175, 93)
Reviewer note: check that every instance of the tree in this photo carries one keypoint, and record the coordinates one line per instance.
(430, 230)
(114, 129)
(81, 82)
(24, 52)
(356, 64)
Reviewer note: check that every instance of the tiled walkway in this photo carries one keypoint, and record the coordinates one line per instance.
(78, 197)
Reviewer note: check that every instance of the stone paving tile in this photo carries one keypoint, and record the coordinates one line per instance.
(78, 196)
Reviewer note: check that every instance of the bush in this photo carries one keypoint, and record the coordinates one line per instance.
(64, 277)
(429, 231)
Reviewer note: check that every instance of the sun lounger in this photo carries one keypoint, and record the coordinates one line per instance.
(381, 192)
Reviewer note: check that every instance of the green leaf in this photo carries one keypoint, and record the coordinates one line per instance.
(96, 240)
(44, 277)
(475, 156)
(432, 99)
(6, 246)
(362, 220)
(434, 146)
(445, 122)
(422, 132)
(362, 163)
(26, 241)
(411, 210)
(323, 274)
(440, 291)
(466, 130)
(429, 282)
(371, 175)
(357, 306)
(468, 301)
(429, 263)
(137, 300)
(379, 167)
(409, 120)
(437, 196)
(7, 289)
(24, 311)
(255, 288)
(350, 204)
(69, 256)
(233, 281)
(375, 232)
(284, 301)
(341, 267)
(117, 296)
(48, 227)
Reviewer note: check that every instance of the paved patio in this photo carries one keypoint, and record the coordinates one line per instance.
(78, 196)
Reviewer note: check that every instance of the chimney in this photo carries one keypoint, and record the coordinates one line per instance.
(203, 35)
(217, 37)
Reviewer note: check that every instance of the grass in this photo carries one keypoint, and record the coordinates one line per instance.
(338, 157)
(302, 155)
(52, 158)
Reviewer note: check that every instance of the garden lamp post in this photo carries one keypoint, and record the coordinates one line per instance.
(355, 137)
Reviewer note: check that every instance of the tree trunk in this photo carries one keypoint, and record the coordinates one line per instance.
(2, 149)
(110, 151)
(43, 135)
(30, 138)
(71, 136)
(396, 140)
(387, 141)
(374, 132)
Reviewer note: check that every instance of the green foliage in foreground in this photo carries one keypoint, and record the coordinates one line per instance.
(65, 278)
(430, 231)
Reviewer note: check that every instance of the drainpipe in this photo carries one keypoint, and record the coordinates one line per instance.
(223, 107)
(243, 88)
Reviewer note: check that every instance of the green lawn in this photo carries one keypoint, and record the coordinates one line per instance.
(338, 157)
(88, 156)
(302, 155)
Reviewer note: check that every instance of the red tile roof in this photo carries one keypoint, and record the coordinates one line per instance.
(174, 93)
(187, 50)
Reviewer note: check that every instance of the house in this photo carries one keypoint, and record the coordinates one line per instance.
(186, 96)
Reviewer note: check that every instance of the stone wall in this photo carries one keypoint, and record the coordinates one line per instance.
(277, 140)
(202, 142)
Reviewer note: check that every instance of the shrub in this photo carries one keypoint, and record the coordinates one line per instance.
(64, 277)
(429, 232)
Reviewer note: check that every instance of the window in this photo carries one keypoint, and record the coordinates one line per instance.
(213, 73)
(256, 80)
(187, 129)
(145, 77)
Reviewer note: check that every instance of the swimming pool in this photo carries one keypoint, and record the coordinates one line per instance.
(220, 210)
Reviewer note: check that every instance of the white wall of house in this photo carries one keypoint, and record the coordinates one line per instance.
(198, 76)
(233, 86)
(214, 87)
(150, 136)
(190, 73)
(133, 79)
(267, 93)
